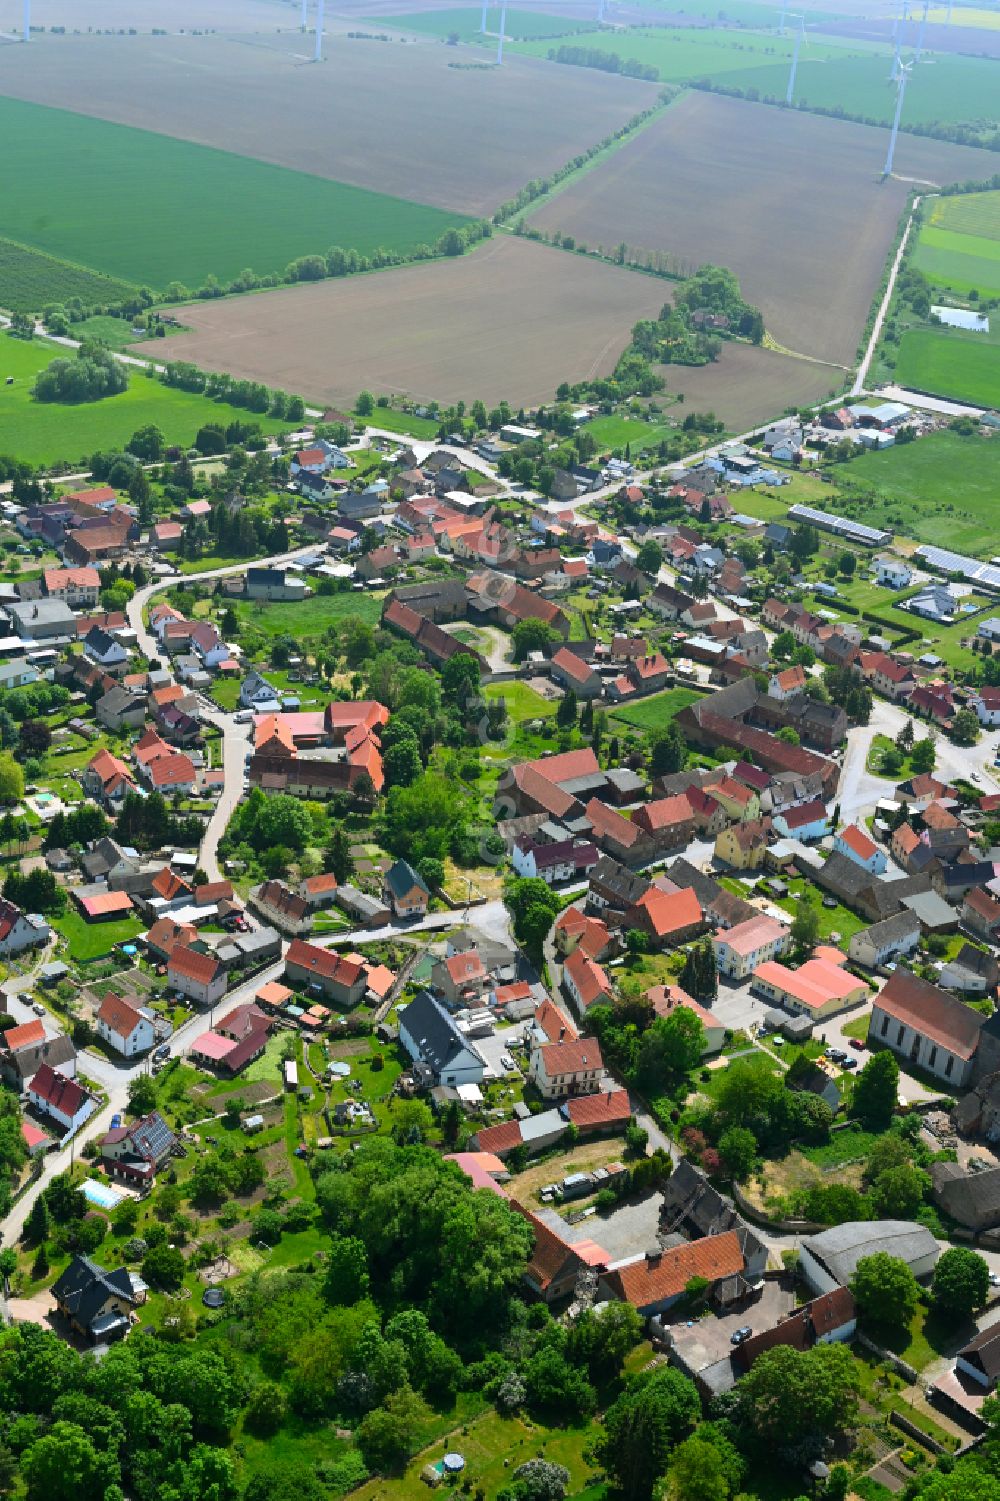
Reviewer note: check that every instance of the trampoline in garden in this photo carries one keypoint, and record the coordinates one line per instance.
(213, 1297)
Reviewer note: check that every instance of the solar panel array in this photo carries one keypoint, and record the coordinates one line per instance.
(976, 572)
(841, 525)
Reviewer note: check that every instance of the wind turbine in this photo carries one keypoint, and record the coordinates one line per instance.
(781, 23)
(482, 19)
(902, 78)
(894, 70)
(790, 91)
(503, 27)
(920, 33)
(600, 12)
(318, 54)
(27, 20)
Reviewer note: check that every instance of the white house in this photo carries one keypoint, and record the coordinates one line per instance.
(103, 649)
(926, 1026)
(17, 673)
(200, 977)
(742, 949)
(256, 693)
(433, 1038)
(855, 844)
(987, 706)
(66, 1101)
(893, 938)
(935, 603)
(20, 930)
(123, 1026)
(806, 822)
(989, 629)
(572, 1067)
(893, 573)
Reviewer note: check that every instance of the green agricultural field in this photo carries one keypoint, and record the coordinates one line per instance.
(465, 23)
(964, 367)
(73, 176)
(959, 245)
(954, 89)
(29, 279)
(406, 423)
(310, 617)
(691, 54)
(45, 432)
(941, 489)
(616, 432)
(655, 712)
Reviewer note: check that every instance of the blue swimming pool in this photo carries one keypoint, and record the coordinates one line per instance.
(101, 1194)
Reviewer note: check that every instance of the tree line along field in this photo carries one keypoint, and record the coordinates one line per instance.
(149, 209)
(44, 432)
(29, 279)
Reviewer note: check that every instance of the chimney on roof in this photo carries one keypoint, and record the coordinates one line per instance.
(562, 1033)
(653, 1257)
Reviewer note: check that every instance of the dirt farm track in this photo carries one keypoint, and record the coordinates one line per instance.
(512, 320)
(389, 116)
(791, 202)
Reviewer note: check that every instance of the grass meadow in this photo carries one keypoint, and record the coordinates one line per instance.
(657, 711)
(941, 489)
(210, 212)
(44, 432)
(964, 367)
(309, 618)
(465, 23)
(959, 244)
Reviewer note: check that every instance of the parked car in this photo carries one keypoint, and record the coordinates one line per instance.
(848, 1062)
(740, 1336)
(858, 1044)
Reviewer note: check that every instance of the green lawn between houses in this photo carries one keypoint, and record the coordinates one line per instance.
(309, 617)
(92, 940)
(658, 710)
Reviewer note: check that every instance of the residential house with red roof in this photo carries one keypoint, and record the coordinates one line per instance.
(668, 821)
(107, 780)
(602, 1114)
(20, 930)
(277, 904)
(806, 822)
(64, 1100)
(819, 989)
(744, 846)
(318, 891)
(124, 1026)
(461, 979)
(787, 683)
(665, 1000)
(554, 1266)
(572, 1066)
(742, 949)
(77, 587)
(324, 971)
(585, 982)
(198, 976)
(981, 914)
(655, 1281)
(856, 845)
(650, 673)
(622, 838)
(667, 918)
(574, 673)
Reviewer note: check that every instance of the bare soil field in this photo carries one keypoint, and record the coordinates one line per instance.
(790, 202)
(391, 116)
(747, 386)
(234, 16)
(510, 320)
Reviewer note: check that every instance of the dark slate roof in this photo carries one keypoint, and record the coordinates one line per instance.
(85, 1287)
(401, 879)
(433, 1030)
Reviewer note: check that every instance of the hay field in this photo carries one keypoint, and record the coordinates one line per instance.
(959, 244)
(512, 320)
(392, 117)
(790, 202)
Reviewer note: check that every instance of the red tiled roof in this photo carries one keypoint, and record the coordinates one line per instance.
(589, 978)
(599, 1109)
(105, 902)
(55, 1090)
(671, 912)
(572, 1056)
(654, 1278)
(323, 962)
(931, 1012)
(464, 968)
(24, 1036)
(118, 1014)
(607, 823)
(665, 813)
(502, 1138)
(192, 965)
(554, 1023)
(858, 841)
(573, 666)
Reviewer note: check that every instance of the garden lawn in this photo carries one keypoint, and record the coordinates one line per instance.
(92, 940)
(309, 617)
(45, 432)
(179, 234)
(831, 919)
(523, 703)
(493, 1447)
(656, 712)
(964, 367)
